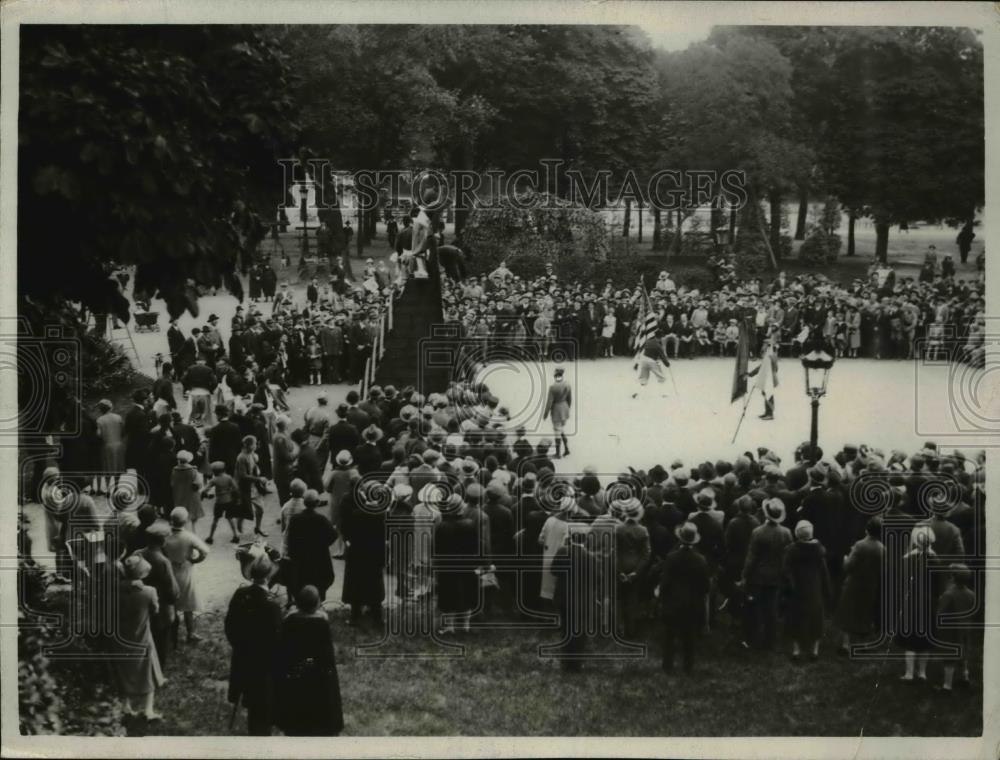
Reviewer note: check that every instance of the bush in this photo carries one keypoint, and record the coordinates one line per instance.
(72, 697)
(784, 247)
(571, 237)
(697, 243)
(819, 247)
(822, 243)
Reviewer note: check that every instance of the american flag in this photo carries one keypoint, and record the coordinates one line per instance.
(646, 320)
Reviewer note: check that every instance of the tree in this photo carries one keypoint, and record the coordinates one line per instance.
(907, 128)
(731, 97)
(148, 145)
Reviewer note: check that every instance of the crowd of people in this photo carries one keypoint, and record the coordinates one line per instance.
(739, 545)
(882, 317)
(491, 530)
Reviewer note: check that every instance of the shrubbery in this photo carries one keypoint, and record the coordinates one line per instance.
(572, 238)
(72, 697)
(822, 244)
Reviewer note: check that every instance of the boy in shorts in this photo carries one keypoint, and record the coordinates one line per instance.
(224, 488)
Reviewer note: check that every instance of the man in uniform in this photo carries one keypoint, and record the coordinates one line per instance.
(648, 360)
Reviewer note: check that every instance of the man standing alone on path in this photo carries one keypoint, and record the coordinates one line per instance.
(557, 404)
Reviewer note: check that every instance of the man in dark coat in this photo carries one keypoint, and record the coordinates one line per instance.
(502, 548)
(175, 344)
(225, 440)
(457, 535)
(342, 435)
(684, 586)
(253, 625)
(137, 426)
(310, 536)
(307, 465)
(368, 456)
(185, 435)
(736, 542)
(355, 415)
(575, 569)
(362, 520)
(763, 572)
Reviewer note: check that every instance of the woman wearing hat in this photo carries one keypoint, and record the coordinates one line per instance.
(858, 611)
(921, 581)
(426, 517)
(250, 483)
(310, 536)
(308, 688)
(809, 590)
(285, 453)
(253, 626)
(368, 455)
(557, 404)
(763, 573)
(683, 590)
(139, 673)
(186, 483)
(553, 537)
(184, 550)
(161, 577)
(362, 523)
(457, 588)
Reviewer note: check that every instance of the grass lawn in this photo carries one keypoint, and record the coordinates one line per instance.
(500, 687)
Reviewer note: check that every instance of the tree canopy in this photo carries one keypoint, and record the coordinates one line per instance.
(148, 145)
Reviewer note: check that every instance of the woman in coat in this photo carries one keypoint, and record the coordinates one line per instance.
(253, 625)
(138, 675)
(162, 459)
(858, 611)
(457, 589)
(310, 536)
(921, 589)
(185, 485)
(552, 538)
(285, 453)
(363, 527)
(161, 577)
(184, 550)
(808, 580)
(308, 689)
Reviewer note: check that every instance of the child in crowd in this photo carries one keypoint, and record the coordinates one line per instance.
(223, 487)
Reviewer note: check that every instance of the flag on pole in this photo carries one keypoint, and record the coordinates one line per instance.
(646, 320)
(741, 370)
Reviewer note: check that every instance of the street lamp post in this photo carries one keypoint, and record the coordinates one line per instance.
(817, 364)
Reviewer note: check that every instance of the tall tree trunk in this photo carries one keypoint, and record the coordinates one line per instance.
(359, 234)
(678, 242)
(715, 217)
(627, 221)
(850, 233)
(657, 230)
(882, 242)
(461, 211)
(640, 221)
(732, 224)
(774, 198)
(800, 224)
